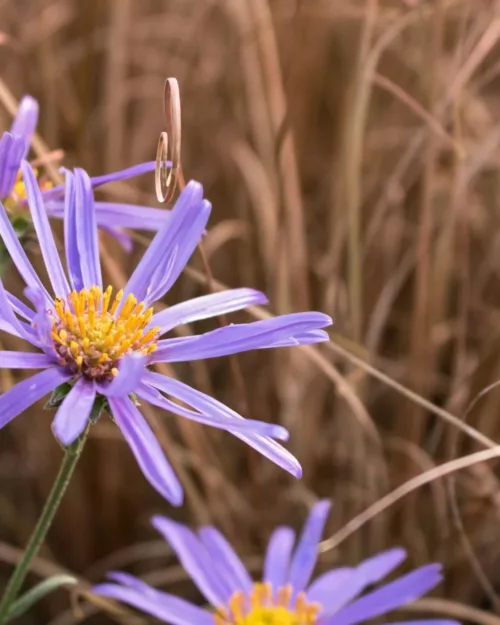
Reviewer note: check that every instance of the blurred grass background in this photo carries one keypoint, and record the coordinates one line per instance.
(351, 151)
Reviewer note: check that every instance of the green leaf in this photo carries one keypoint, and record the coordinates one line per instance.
(38, 592)
(57, 396)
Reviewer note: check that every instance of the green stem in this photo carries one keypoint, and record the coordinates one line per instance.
(68, 465)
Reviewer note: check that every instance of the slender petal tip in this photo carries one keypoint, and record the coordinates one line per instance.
(26, 119)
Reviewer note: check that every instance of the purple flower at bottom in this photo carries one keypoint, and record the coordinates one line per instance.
(104, 345)
(110, 216)
(286, 595)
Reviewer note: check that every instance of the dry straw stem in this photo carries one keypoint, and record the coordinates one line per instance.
(405, 489)
(353, 146)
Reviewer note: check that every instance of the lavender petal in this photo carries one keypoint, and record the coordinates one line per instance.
(207, 306)
(73, 414)
(124, 174)
(18, 255)
(131, 216)
(19, 327)
(19, 307)
(327, 589)
(229, 564)
(429, 621)
(25, 121)
(70, 234)
(21, 396)
(146, 449)
(306, 553)
(172, 246)
(25, 360)
(44, 232)
(195, 559)
(130, 371)
(208, 405)
(368, 572)
(306, 338)
(41, 324)
(391, 596)
(97, 181)
(213, 419)
(11, 154)
(161, 605)
(278, 556)
(86, 231)
(237, 338)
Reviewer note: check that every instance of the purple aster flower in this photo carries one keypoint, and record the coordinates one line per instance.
(110, 216)
(103, 345)
(286, 595)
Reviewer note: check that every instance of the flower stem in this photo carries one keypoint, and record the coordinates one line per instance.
(71, 456)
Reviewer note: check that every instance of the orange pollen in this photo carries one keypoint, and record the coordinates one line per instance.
(262, 607)
(91, 332)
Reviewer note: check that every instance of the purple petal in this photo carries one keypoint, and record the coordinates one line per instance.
(161, 605)
(97, 181)
(24, 360)
(122, 237)
(44, 232)
(20, 328)
(368, 572)
(429, 621)
(249, 426)
(327, 588)
(228, 563)
(19, 307)
(208, 405)
(195, 559)
(169, 251)
(130, 371)
(21, 396)
(131, 581)
(207, 306)
(70, 234)
(306, 553)
(393, 595)
(131, 216)
(146, 449)
(86, 231)
(73, 414)
(18, 255)
(5, 326)
(377, 567)
(242, 337)
(41, 322)
(306, 338)
(25, 121)
(124, 174)
(278, 556)
(12, 149)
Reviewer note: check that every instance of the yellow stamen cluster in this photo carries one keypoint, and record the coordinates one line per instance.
(18, 193)
(261, 607)
(91, 335)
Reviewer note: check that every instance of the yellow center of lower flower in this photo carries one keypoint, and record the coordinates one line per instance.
(261, 607)
(91, 335)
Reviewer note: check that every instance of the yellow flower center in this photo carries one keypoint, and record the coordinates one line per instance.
(18, 193)
(261, 607)
(91, 337)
